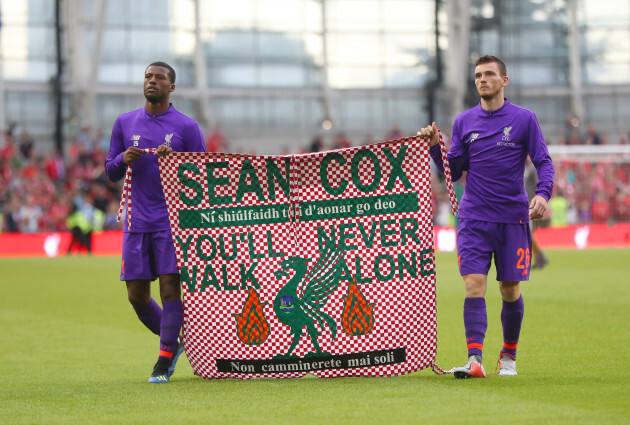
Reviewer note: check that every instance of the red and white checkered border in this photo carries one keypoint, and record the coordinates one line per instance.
(405, 311)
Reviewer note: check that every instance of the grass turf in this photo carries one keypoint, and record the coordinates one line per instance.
(74, 353)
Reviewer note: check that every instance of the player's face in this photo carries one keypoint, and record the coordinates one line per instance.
(489, 81)
(157, 84)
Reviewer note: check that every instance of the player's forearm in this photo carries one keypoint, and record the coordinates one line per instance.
(115, 167)
(457, 164)
(436, 154)
(546, 175)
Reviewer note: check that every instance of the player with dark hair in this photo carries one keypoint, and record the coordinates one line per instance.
(148, 251)
(491, 142)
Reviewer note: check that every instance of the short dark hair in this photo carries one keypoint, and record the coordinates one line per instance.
(171, 71)
(490, 59)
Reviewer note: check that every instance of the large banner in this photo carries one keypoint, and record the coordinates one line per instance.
(317, 263)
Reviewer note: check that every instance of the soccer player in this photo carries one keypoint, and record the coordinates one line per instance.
(491, 142)
(148, 251)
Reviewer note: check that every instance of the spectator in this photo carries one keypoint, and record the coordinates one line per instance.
(600, 209)
(11, 216)
(94, 220)
(621, 205)
(367, 140)
(26, 145)
(584, 211)
(341, 141)
(575, 138)
(59, 210)
(8, 149)
(78, 225)
(100, 197)
(111, 217)
(49, 180)
(85, 139)
(559, 206)
(55, 167)
(317, 144)
(592, 137)
(395, 133)
(30, 215)
(216, 140)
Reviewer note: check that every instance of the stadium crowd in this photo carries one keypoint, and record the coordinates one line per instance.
(43, 192)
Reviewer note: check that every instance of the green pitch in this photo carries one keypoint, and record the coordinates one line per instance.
(73, 352)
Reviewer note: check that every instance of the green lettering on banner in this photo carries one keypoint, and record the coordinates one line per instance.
(210, 278)
(404, 231)
(232, 216)
(200, 253)
(397, 170)
(193, 184)
(345, 236)
(309, 211)
(356, 161)
(359, 207)
(369, 239)
(248, 276)
(385, 232)
(377, 267)
(216, 181)
(247, 170)
(274, 172)
(425, 262)
(224, 251)
(403, 264)
(185, 277)
(252, 248)
(184, 245)
(323, 173)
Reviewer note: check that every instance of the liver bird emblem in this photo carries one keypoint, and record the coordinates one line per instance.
(300, 301)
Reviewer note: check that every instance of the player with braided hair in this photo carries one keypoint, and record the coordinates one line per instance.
(148, 251)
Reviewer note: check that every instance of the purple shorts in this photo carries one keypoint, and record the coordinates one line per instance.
(510, 243)
(145, 256)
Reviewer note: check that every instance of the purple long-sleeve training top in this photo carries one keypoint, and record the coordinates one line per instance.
(144, 130)
(492, 146)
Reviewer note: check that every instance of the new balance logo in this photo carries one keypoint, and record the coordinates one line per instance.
(135, 139)
(473, 137)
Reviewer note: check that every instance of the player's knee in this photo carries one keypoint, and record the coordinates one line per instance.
(138, 294)
(138, 300)
(510, 291)
(475, 285)
(170, 288)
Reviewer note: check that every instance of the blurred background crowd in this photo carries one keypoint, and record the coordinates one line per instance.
(292, 76)
(44, 192)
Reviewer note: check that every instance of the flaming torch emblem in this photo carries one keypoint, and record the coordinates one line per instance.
(358, 315)
(251, 325)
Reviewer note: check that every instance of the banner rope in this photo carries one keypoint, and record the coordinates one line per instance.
(125, 198)
(439, 371)
(294, 213)
(447, 174)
